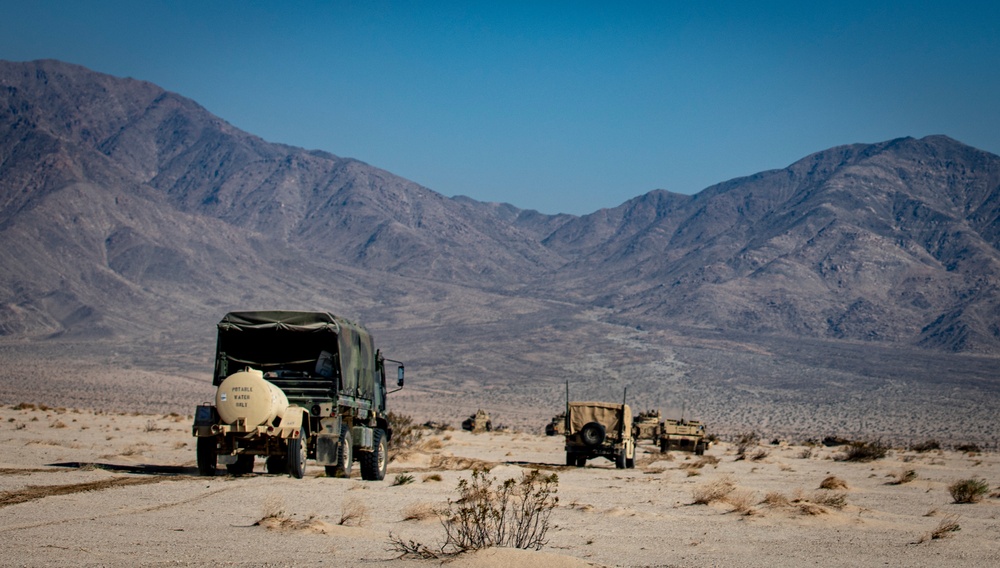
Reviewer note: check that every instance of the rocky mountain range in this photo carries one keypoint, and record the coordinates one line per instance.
(130, 211)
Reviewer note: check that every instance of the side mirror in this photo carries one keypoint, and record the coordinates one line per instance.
(399, 376)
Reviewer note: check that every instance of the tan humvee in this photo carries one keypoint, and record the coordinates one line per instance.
(599, 429)
(683, 435)
(647, 426)
(478, 422)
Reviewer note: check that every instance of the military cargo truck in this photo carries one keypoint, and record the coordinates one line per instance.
(294, 386)
(683, 435)
(599, 429)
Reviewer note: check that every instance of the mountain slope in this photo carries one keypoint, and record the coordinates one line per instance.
(119, 199)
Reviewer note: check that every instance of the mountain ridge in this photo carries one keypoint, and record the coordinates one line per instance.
(117, 196)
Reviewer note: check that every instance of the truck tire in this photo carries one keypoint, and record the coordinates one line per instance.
(297, 448)
(630, 463)
(620, 459)
(208, 456)
(375, 462)
(345, 455)
(243, 465)
(581, 461)
(570, 458)
(699, 449)
(592, 434)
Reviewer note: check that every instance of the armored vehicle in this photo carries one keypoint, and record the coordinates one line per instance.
(647, 426)
(683, 435)
(293, 386)
(557, 426)
(599, 429)
(478, 422)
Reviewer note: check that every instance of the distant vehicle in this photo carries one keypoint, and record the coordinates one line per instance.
(683, 435)
(293, 386)
(599, 429)
(646, 425)
(478, 422)
(557, 426)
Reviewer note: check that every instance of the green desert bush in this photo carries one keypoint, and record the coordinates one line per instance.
(970, 490)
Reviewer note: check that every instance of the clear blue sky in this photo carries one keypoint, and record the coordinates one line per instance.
(555, 106)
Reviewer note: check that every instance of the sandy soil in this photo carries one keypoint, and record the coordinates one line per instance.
(100, 489)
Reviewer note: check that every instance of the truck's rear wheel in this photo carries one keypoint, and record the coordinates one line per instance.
(243, 465)
(581, 461)
(620, 459)
(208, 456)
(297, 448)
(375, 462)
(345, 455)
(570, 458)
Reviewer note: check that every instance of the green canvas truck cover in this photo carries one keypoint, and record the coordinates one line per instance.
(294, 340)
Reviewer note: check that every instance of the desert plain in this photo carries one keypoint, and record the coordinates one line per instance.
(86, 487)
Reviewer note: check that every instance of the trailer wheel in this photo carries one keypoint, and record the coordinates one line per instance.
(297, 448)
(345, 455)
(375, 462)
(208, 456)
(243, 465)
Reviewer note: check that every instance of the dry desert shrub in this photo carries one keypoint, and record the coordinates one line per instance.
(741, 501)
(970, 490)
(57, 424)
(948, 525)
(902, 476)
(713, 491)
(835, 500)
(419, 512)
(865, 451)
(776, 499)
(405, 434)
(273, 507)
(353, 513)
(744, 442)
(758, 454)
(833, 482)
(926, 446)
(700, 463)
(968, 448)
(512, 513)
(432, 477)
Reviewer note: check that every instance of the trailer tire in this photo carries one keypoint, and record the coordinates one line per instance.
(208, 456)
(297, 448)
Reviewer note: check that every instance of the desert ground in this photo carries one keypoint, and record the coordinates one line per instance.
(95, 488)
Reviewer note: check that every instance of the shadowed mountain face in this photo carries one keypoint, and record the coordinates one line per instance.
(124, 207)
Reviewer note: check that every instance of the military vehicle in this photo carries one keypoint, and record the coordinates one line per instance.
(599, 429)
(646, 425)
(293, 386)
(478, 422)
(683, 435)
(557, 426)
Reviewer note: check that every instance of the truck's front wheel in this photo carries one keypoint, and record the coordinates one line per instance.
(297, 455)
(208, 456)
(375, 462)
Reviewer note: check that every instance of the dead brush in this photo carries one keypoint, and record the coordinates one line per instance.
(700, 463)
(713, 491)
(741, 501)
(353, 513)
(945, 528)
(902, 476)
(419, 512)
(833, 482)
(775, 499)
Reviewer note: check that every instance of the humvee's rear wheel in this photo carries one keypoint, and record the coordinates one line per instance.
(570, 458)
(592, 434)
(243, 465)
(297, 455)
(620, 459)
(345, 455)
(375, 462)
(208, 456)
(581, 461)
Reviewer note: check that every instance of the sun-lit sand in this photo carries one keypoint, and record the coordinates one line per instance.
(89, 488)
